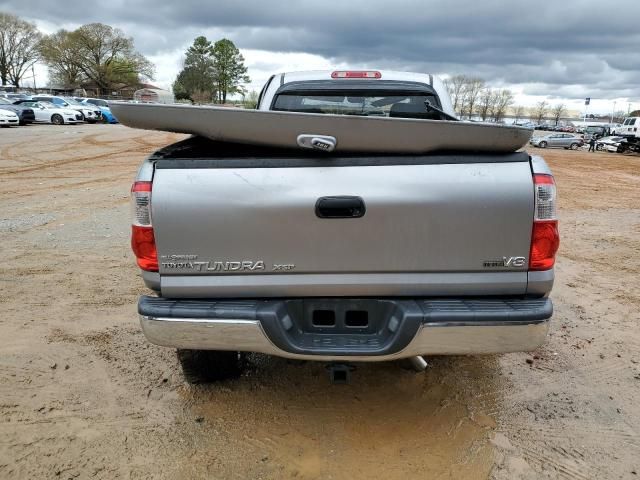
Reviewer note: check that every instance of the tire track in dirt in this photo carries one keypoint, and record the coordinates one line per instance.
(567, 466)
(144, 146)
(60, 163)
(47, 188)
(9, 155)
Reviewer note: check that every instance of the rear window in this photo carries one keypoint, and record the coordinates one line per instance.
(357, 103)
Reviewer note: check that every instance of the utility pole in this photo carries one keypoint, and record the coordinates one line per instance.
(33, 74)
(613, 112)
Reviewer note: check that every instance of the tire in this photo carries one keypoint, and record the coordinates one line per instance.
(542, 144)
(57, 119)
(574, 146)
(205, 366)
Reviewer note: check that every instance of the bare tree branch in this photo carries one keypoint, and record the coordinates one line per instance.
(19, 48)
(558, 111)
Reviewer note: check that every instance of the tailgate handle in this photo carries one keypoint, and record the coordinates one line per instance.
(340, 207)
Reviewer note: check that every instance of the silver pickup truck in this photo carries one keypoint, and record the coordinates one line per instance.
(342, 257)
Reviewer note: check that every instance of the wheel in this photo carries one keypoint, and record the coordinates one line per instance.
(57, 119)
(574, 146)
(204, 366)
(542, 144)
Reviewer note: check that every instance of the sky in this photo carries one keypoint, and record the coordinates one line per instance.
(559, 51)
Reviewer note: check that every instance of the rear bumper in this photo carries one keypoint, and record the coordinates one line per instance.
(425, 327)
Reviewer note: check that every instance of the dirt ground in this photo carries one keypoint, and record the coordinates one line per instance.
(83, 395)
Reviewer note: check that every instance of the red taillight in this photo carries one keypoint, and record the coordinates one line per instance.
(143, 242)
(356, 74)
(545, 238)
(545, 241)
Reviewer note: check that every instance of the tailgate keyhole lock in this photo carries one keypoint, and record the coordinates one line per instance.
(324, 143)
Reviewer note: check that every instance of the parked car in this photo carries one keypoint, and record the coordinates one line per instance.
(609, 144)
(598, 131)
(565, 140)
(615, 128)
(89, 114)
(107, 116)
(49, 113)
(8, 118)
(25, 114)
(15, 96)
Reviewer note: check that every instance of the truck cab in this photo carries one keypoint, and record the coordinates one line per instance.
(286, 91)
(630, 131)
(629, 127)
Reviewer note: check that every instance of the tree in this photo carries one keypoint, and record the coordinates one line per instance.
(102, 55)
(471, 92)
(485, 103)
(618, 117)
(464, 93)
(502, 99)
(557, 112)
(250, 100)
(59, 52)
(635, 113)
(518, 112)
(107, 56)
(456, 86)
(540, 110)
(19, 42)
(201, 96)
(230, 71)
(198, 77)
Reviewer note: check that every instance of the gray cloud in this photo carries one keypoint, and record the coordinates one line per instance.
(573, 48)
